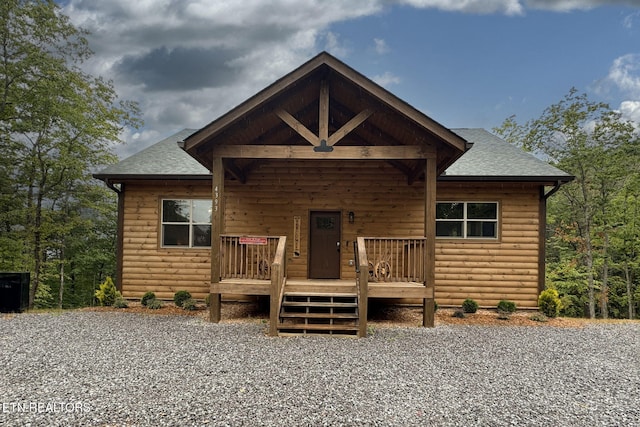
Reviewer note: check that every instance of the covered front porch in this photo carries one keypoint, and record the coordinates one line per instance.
(385, 267)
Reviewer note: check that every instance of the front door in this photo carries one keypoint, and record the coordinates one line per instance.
(324, 245)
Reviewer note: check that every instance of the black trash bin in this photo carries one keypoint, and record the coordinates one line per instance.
(14, 292)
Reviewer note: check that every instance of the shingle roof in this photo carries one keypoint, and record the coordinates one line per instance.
(489, 158)
(493, 157)
(164, 160)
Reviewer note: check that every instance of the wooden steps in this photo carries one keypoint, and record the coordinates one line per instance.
(318, 313)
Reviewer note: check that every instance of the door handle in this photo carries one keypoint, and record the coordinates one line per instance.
(338, 246)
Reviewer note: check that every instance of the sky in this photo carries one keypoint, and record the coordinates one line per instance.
(464, 63)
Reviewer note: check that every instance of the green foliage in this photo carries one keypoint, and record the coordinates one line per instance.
(148, 296)
(469, 306)
(120, 303)
(107, 293)
(189, 304)
(549, 302)
(57, 126)
(507, 306)
(154, 304)
(181, 296)
(459, 314)
(538, 317)
(207, 300)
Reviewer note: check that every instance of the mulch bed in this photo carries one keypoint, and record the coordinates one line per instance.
(379, 316)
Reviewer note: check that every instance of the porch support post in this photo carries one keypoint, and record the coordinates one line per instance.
(428, 318)
(217, 217)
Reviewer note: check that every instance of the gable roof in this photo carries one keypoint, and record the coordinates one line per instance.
(489, 159)
(345, 94)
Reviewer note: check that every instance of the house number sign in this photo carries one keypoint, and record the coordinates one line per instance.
(216, 198)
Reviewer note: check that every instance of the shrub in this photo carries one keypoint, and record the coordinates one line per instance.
(107, 293)
(508, 306)
(459, 314)
(154, 304)
(189, 304)
(435, 306)
(207, 300)
(120, 303)
(180, 297)
(549, 302)
(504, 315)
(469, 306)
(147, 297)
(538, 317)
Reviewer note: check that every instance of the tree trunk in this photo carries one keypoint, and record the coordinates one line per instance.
(61, 292)
(630, 302)
(604, 292)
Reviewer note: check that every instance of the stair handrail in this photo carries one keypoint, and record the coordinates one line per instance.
(278, 280)
(362, 284)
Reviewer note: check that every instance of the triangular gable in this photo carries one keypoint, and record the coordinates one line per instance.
(325, 109)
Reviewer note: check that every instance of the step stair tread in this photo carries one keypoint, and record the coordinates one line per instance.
(319, 315)
(321, 294)
(317, 327)
(319, 304)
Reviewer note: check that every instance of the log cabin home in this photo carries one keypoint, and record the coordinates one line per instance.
(324, 191)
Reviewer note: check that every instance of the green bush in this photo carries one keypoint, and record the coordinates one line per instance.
(154, 304)
(120, 303)
(207, 300)
(180, 297)
(469, 306)
(107, 293)
(148, 296)
(538, 317)
(549, 302)
(189, 304)
(507, 306)
(435, 306)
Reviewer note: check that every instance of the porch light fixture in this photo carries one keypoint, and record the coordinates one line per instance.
(352, 217)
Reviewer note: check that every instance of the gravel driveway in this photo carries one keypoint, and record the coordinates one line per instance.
(88, 368)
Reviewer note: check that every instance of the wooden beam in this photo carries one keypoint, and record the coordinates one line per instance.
(235, 171)
(430, 234)
(298, 127)
(349, 126)
(217, 218)
(339, 152)
(323, 119)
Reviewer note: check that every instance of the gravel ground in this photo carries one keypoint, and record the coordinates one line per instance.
(94, 368)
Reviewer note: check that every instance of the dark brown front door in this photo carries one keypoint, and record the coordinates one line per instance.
(324, 245)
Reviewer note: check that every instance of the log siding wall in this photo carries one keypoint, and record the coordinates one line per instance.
(383, 204)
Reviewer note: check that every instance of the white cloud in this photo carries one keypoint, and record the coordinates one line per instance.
(624, 75)
(508, 7)
(630, 110)
(381, 46)
(386, 79)
(569, 5)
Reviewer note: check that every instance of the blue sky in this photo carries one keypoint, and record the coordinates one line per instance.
(465, 63)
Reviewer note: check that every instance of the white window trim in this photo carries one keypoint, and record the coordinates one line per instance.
(191, 224)
(465, 220)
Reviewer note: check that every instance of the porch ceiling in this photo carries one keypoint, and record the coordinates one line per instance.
(325, 98)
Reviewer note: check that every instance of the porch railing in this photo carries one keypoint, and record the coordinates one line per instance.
(247, 257)
(394, 259)
(362, 284)
(278, 281)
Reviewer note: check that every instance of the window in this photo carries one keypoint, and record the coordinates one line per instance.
(467, 220)
(186, 223)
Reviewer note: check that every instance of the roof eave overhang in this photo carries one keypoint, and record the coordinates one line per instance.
(564, 179)
(154, 177)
